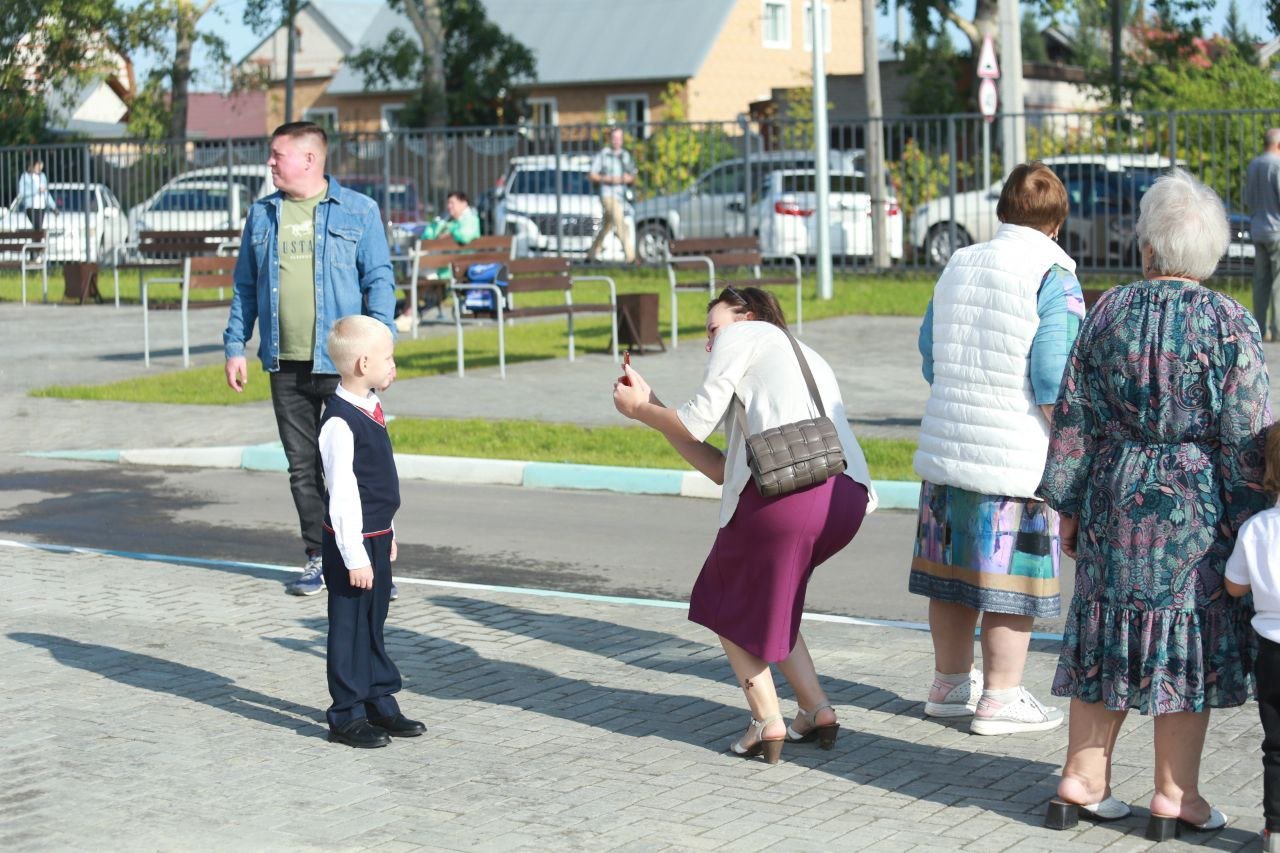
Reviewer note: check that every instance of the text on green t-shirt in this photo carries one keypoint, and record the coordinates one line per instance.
(297, 278)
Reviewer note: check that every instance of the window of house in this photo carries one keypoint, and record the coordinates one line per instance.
(543, 111)
(631, 112)
(826, 27)
(326, 117)
(391, 116)
(776, 23)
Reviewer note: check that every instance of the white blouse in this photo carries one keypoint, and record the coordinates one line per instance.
(754, 360)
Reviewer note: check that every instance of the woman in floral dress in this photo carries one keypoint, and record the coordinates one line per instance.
(1154, 463)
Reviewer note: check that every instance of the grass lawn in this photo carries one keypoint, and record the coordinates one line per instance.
(526, 341)
(634, 447)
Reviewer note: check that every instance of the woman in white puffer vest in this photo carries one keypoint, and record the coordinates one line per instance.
(995, 342)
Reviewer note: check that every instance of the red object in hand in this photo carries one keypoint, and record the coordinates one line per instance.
(626, 360)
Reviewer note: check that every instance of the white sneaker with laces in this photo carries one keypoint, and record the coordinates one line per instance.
(958, 700)
(1024, 714)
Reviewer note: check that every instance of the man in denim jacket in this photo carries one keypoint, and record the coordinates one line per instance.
(311, 252)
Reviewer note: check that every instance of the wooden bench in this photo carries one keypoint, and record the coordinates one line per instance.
(711, 258)
(428, 257)
(32, 250)
(198, 273)
(166, 248)
(529, 275)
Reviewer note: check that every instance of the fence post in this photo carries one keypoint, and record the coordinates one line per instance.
(386, 181)
(1173, 139)
(951, 179)
(231, 191)
(87, 163)
(746, 157)
(559, 147)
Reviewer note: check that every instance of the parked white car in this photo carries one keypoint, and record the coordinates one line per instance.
(525, 207)
(1092, 181)
(106, 222)
(788, 226)
(191, 205)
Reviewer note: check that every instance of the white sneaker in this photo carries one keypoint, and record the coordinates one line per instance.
(1024, 714)
(959, 700)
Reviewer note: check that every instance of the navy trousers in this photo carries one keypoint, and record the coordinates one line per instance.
(362, 678)
(1267, 671)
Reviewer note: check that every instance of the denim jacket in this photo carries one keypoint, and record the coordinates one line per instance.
(352, 270)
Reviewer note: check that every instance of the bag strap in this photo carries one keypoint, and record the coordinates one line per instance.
(808, 381)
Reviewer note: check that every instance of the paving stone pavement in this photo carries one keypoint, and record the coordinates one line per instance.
(159, 706)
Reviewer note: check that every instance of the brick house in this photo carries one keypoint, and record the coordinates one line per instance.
(593, 59)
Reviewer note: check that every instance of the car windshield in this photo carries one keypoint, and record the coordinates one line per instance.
(72, 200)
(543, 182)
(193, 198)
(1121, 191)
(807, 183)
(402, 196)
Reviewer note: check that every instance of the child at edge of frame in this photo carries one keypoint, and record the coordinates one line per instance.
(362, 496)
(1254, 566)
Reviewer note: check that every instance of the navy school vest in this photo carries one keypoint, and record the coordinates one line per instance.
(375, 467)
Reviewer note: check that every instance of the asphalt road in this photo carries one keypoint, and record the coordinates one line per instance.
(590, 542)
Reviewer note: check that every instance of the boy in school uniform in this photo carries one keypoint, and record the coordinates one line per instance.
(363, 494)
(1254, 566)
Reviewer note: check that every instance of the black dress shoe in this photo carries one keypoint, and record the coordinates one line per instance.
(399, 726)
(360, 734)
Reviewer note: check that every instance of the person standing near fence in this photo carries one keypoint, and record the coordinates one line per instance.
(613, 170)
(311, 252)
(1262, 197)
(33, 194)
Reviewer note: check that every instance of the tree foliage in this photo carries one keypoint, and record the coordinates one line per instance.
(484, 69)
(676, 152)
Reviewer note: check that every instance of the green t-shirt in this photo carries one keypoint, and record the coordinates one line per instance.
(298, 278)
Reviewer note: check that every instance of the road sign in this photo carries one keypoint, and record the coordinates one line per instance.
(988, 99)
(988, 69)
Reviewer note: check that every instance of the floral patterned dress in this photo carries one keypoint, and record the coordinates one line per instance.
(1156, 445)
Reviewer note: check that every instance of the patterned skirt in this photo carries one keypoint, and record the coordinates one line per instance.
(989, 552)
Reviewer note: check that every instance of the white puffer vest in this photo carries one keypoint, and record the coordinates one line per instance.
(982, 429)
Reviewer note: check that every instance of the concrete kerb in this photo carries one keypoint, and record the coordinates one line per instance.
(451, 469)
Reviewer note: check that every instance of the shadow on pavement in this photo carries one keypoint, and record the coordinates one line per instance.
(437, 668)
(638, 647)
(175, 679)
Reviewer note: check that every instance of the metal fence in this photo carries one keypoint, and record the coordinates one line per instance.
(694, 180)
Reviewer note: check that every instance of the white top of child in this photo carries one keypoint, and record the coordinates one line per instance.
(1256, 562)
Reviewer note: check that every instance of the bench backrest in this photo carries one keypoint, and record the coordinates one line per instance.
(442, 250)
(723, 251)
(525, 274)
(13, 241)
(209, 272)
(180, 244)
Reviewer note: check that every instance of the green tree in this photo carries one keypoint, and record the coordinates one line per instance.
(467, 71)
(1237, 33)
(677, 152)
(55, 45)
(937, 72)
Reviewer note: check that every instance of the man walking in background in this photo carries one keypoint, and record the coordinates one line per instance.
(613, 170)
(311, 252)
(1262, 197)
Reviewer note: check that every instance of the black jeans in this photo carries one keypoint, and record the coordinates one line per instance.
(1267, 672)
(298, 395)
(36, 216)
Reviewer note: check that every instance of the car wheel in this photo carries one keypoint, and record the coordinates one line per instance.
(652, 241)
(938, 247)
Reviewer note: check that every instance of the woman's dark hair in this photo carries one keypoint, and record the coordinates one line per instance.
(460, 196)
(1033, 196)
(762, 303)
(1271, 461)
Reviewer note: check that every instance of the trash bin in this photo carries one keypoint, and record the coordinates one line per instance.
(80, 281)
(638, 321)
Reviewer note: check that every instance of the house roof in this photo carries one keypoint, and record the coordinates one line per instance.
(585, 41)
(345, 21)
(212, 115)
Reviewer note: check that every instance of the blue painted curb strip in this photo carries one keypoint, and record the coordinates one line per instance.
(894, 494)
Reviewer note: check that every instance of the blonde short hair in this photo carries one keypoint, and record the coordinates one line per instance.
(351, 337)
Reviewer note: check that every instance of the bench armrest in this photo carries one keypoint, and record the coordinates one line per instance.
(613, 287)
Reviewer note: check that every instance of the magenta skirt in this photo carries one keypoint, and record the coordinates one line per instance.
(751, 588)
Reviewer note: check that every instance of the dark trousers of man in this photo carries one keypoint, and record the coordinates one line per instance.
(362, 678)
(36, 216)
(1266, 288)
(298, 396)
(1268, 675)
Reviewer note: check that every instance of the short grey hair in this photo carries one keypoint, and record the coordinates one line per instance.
(1273, 137)
(1185, 224)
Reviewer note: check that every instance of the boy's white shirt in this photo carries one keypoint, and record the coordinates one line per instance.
(337, 452)
(1256, 561)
